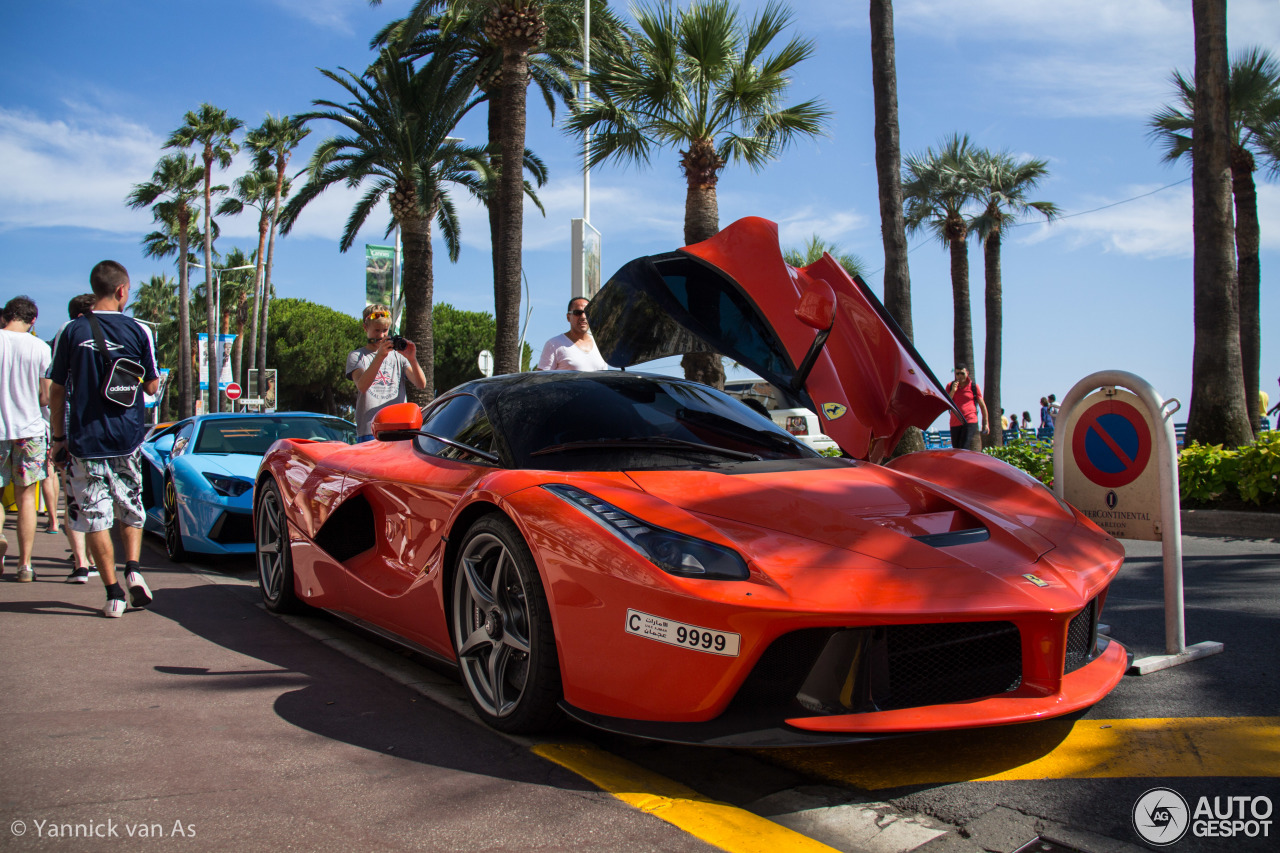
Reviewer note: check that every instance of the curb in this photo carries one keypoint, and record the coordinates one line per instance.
(1225, 523)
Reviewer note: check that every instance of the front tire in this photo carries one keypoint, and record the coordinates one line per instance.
(271, 552)
(173, 524)
(502, 630)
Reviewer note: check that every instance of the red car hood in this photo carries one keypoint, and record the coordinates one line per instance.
(870, 510)
(734, 294)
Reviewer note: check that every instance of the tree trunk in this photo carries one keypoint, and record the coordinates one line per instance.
(1217, 414)
(962, 319)
(994, 348)
(495, 162)
(418, 296)
(1249, 273)
(506, 288)
(281, 163)
(702, 222)
(186, 401)
(211, 297)
(893, 233)
(264, 222)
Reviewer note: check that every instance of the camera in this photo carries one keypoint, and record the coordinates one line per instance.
(399, 342)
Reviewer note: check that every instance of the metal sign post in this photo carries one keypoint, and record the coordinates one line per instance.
(1120, 460)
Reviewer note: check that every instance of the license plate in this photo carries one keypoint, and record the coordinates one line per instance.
(686, 636)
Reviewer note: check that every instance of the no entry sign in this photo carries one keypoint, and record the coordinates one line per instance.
(1110, 473)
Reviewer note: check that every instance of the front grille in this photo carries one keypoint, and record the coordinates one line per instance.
(232, 528)
(855, 670)
(931, 664)
(1082, 638)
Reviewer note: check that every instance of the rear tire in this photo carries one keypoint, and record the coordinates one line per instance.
(502, 632)
(271, 552)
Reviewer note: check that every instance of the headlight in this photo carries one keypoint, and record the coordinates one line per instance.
(228, 486)
(674, 553)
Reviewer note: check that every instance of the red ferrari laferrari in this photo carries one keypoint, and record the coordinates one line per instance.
(650, 556)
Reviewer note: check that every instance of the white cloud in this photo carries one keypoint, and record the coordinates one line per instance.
(1080, 57)
(1156, 226)
(75, 171)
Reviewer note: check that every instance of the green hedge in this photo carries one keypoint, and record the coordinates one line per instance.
(1206, 473)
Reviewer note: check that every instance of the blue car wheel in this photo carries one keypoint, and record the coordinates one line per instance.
(172, 523)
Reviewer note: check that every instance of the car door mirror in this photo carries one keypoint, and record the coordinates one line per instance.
(164, 445)
(817, 306)
(397, 422)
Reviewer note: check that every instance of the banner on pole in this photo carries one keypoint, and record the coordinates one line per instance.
(379, 266)
(264, 391)
(585, 259)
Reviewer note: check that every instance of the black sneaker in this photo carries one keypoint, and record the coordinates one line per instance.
(80, 575)
(139, 592)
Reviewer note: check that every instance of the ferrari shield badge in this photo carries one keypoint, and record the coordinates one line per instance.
(834, 411)
(1041, 582)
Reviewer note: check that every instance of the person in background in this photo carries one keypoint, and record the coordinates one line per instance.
(576, 348)
(1046, 416)
(82, 565)
(100, 449)
(380, 370)
(964, 392)
(1026, 422)
(24, 390)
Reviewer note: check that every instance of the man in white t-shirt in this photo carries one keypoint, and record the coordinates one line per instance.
(575, 349)
(24, 446)
(380, 370)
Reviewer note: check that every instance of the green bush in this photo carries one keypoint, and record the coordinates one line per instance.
(1259, 469)
(1034, 457)
(1206, 472)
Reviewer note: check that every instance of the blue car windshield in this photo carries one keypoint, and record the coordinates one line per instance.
(253, 436)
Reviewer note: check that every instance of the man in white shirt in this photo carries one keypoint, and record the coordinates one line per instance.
(575, 349)
(24, 447)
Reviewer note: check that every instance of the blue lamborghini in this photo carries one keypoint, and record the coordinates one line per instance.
(197, 475)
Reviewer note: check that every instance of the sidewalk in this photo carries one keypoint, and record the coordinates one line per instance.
(207, 719)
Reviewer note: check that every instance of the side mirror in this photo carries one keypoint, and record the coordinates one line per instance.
(817, 306)
(397, 422)
(164, 444)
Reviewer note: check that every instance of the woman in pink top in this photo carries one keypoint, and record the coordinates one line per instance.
(968, 399)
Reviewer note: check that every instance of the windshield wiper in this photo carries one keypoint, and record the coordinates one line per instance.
(646, 441)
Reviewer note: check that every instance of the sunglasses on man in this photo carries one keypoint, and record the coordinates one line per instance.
(579, 312)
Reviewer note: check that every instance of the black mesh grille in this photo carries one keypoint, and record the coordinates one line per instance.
(1082, 638)
(932, 664)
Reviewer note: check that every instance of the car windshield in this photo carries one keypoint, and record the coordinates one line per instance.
(252, 436)
(616, 421)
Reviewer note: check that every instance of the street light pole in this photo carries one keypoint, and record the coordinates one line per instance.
(215, 400)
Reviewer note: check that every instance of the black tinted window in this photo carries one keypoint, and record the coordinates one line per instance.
(614, 421)
(461, 419)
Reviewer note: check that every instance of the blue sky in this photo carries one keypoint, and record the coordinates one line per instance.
(90, 91)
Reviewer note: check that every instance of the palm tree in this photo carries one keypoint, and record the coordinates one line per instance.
(937, 186)
(173, 188)
(1253, 90)
(209, 129)
(255, 189)
(813, 250)
(460, 31)
(273, 143)
(1218, 413)
(893, 234)
(156, 302)
(236, 286)
(1003, 182)
(397, 143)
(697, 78)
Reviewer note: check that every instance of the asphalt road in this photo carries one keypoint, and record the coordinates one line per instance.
(263, 733)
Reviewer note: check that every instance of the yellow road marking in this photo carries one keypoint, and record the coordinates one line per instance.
(719, 824)
(1054, 749)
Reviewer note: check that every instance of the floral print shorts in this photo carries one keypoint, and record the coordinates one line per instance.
(22, 460)
(101, 492)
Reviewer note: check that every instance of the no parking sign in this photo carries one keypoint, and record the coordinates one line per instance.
(1109, 473)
